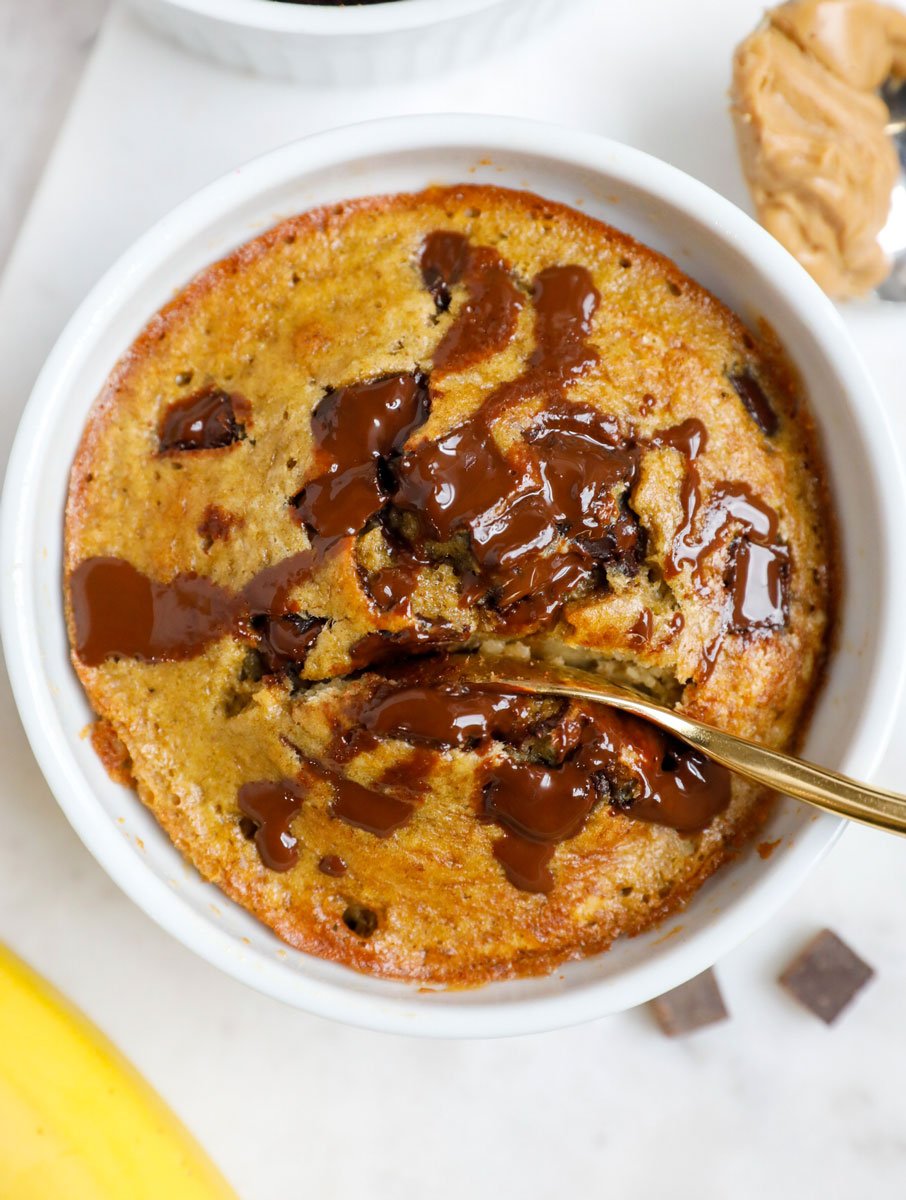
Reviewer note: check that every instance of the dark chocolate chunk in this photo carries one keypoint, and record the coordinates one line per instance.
(384, 646)
(357, 429)
(690, 1006)
(332, 864)
(209, 419)
(757, 405)
(360, 920)
(287, 639)
(825, 976)
(444, 258)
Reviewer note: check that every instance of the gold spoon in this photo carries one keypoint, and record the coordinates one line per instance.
(780, 772)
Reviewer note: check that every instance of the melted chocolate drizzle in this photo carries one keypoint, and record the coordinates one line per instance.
(487, 321)
(640, 633)
(538, 805)
(759, 582)
(357, 429)
(118, 611)
(545, 518)
(376, 811)
(758, 579)
(379, 813)
(690, 438)
(391, 588)
(285, 641)
(409, 776)
(537, 523)
(384, 646)
(271, 806)
(446, 715)
(444, 257)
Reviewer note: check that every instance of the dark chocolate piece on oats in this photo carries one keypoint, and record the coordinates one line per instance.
(691, 1006)
(825, 976)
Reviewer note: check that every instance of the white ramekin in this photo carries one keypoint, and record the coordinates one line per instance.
(709, 238)
(380, 43)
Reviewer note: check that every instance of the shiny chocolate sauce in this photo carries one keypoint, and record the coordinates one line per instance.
(409, 776)
(487, 321)
(376, 809)
(731, 504)
(565, 300)
(333, 865)
(119, 612)
(526, 530)
(538, 804)
(285, 641)
(377, 812)
(447, 715)
(271, 805)
(640, 633)
(758, 579)
(384, 646)
(357, 429)
(690, 438)
(549, 515)
(209, 419)
(267, 593)
(444, 257)
(391, 587)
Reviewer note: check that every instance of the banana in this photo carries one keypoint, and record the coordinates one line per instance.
(77, 1122)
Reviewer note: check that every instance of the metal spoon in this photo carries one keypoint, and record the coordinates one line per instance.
(893, 236)
(780, 772)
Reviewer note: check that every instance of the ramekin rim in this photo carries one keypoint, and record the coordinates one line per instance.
(518, 1015)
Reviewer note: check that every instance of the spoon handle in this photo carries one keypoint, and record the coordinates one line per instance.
(792, 776)
(781, 772)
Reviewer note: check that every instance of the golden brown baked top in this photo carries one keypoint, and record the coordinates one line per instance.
(413, 425)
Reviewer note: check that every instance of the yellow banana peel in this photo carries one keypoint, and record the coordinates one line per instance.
(77, 1121)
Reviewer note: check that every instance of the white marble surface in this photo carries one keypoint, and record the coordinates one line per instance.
(770, 1103)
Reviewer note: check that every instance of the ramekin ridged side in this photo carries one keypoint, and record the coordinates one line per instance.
(339, 46)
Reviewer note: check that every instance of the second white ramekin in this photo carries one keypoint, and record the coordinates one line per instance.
(356, 45)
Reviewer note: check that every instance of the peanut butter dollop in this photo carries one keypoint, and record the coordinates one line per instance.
(811, 133)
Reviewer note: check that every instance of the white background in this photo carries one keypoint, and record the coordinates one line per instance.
(769, 1103)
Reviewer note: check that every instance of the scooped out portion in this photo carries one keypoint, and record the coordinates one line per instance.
(391, 433)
